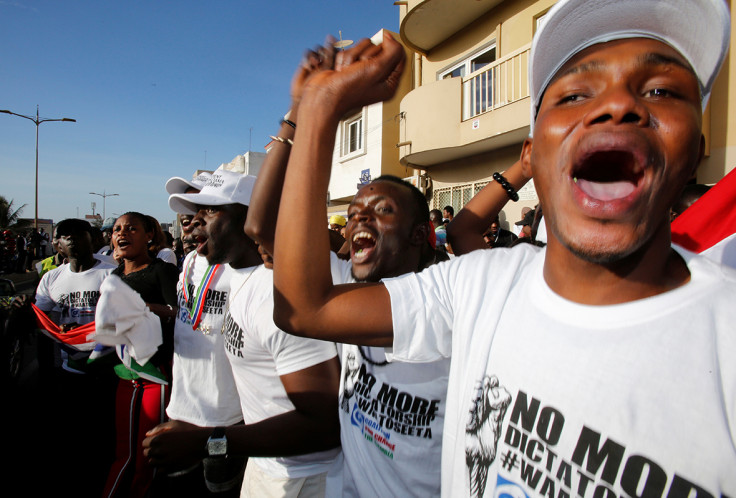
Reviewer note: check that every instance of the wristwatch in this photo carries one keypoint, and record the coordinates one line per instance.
(217, 443)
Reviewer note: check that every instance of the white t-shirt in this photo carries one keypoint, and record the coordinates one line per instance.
(167, 255)
(260, 353)
(723, 252)
(391, 419)
(549, 397)
(73, 295)
(203, 390)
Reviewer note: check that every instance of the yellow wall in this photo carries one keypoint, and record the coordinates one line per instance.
(719, 123)
(510, 25)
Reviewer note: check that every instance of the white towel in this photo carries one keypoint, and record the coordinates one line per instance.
(123, 318)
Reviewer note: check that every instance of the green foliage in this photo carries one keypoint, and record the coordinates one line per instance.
(8, 214)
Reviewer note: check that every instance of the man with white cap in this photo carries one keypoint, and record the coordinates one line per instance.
(203, 392)
(287, 385)
(597, 365)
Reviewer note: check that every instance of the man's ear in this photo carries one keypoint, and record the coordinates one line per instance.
(526, 157)
(701, 155)
(419, 234)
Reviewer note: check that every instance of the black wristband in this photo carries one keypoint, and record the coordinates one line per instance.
(510, 191)
(290, 123)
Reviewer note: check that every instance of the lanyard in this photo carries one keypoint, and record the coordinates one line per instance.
(196, 302)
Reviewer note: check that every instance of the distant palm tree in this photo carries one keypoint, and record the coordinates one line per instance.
(8, 215)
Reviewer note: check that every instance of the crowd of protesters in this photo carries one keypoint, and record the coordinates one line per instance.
(584, 354)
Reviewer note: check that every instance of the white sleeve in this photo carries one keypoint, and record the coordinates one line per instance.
(290, 353)
(341, 270)
(43, 292)
(167, 255)
(422, 313)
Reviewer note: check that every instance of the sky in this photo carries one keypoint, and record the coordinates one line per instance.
(158, 89)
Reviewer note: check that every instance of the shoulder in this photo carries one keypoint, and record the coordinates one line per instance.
(104, 262)
(51, 276)
(167, 255)
(165, 268)
(499, 260)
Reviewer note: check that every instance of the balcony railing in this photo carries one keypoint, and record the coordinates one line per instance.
(498, 84)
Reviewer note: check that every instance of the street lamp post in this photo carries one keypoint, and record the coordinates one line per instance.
(104, 196)
(37, 122)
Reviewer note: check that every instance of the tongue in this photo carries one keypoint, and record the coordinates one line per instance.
(607, 191)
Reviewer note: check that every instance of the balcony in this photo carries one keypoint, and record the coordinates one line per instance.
(428, 23)
(460, 117)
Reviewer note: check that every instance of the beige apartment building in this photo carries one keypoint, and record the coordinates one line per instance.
(365, 145)
(468, 111)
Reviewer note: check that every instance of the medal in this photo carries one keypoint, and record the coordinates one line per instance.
(196, 301)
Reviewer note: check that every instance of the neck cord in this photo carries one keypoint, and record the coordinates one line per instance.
(368, 360)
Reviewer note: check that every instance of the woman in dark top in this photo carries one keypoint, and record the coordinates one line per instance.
(141, 401)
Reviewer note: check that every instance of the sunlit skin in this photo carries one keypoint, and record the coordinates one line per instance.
(624, 120)
(131, 240)
(384, 212)
(219, 233)
(187, 240)
(76, 245)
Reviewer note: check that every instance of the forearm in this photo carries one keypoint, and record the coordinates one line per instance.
(288, 434)
(263, 210)
(465, 231)
(302, 287)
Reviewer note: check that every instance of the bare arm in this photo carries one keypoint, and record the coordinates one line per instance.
(465, 231)
(306, 302)
(262, 212)
(312, 426)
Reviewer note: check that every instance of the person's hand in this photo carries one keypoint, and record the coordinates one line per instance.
(175, 444)
(69, 326)
(21, 301)
(319, 59)
(363, 75)
(266, 257)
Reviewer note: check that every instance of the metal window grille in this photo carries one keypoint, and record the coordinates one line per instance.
(456, 196)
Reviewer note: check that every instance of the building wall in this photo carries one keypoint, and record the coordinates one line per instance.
(432, 121)
(380, 155)
(718, 123)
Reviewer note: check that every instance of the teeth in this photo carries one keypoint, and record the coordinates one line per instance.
(362, 235)
(607, 191)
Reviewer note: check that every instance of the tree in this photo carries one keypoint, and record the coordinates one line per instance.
(8, 215)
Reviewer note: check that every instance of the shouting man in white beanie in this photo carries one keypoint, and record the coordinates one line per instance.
(600, 365)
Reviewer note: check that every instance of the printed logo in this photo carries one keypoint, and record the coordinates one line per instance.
(383, 412)
(508, 489)
(357, 418)
(484, 430)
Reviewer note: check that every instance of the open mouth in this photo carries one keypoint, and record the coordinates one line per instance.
(122, 243)
(362, 246)
(201, 242)
(608, 175)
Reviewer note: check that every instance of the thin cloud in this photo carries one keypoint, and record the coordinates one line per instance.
(18, 5)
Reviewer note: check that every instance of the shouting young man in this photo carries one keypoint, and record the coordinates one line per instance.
(391, 414)
(287, 385)
(595, 366)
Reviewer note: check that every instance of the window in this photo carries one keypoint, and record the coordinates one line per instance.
(352, 135)
(471, 64)
(478, 91)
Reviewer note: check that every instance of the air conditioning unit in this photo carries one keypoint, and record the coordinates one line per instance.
(419, 181)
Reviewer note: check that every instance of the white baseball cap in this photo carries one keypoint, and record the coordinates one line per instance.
(698, 29)
(223, 187)
(179, 185)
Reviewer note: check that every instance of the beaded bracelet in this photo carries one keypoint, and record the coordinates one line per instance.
(290, 123)
(283, 140)
(510, 191)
